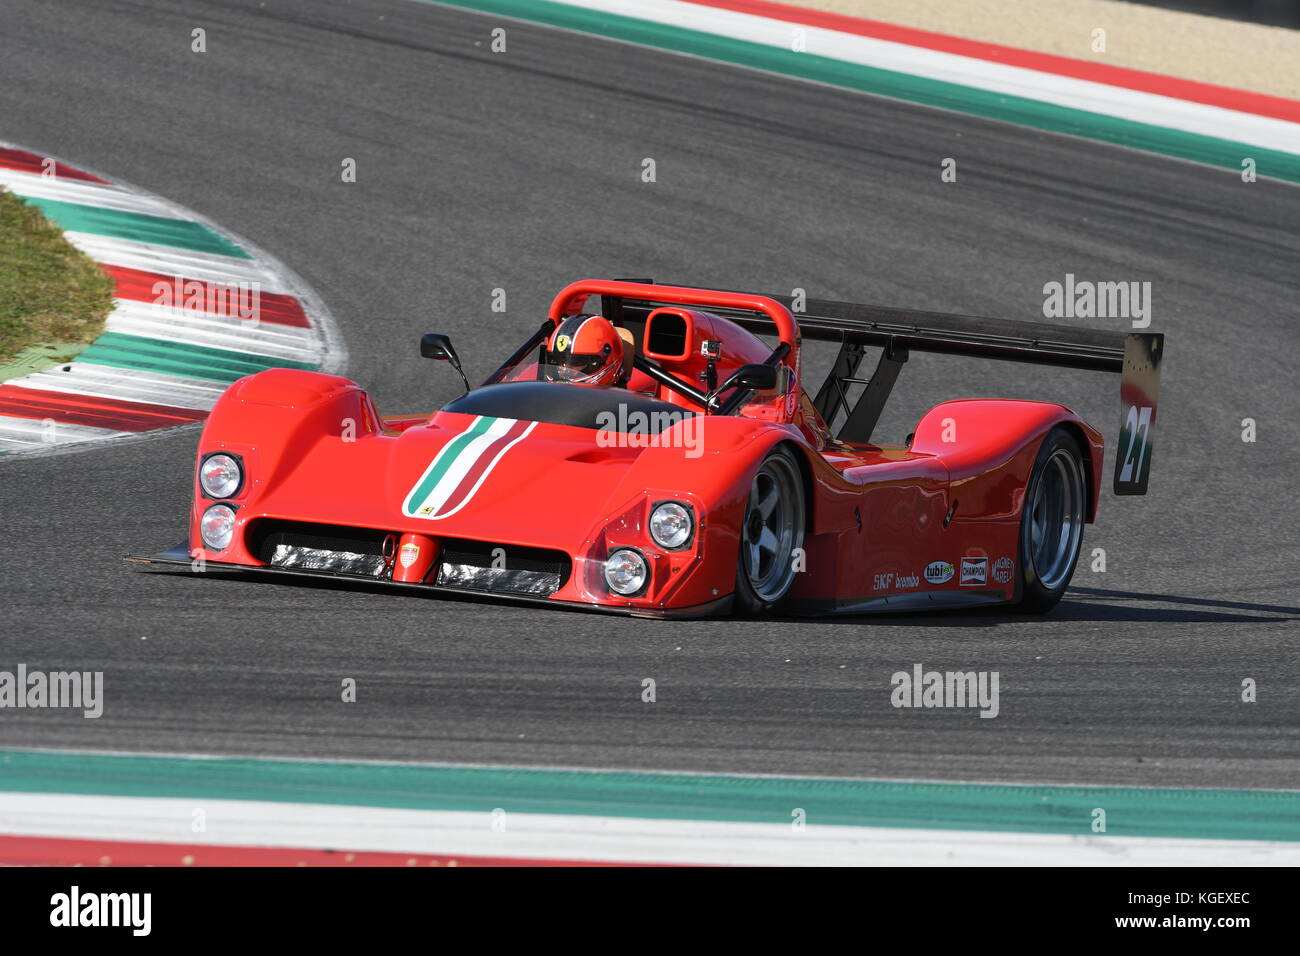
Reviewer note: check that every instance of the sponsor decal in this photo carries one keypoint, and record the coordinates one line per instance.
(1002, 570)
(462, 465)
(410, 554)
(561, 343)
(939, 572)
(974, 571)
(894, 580)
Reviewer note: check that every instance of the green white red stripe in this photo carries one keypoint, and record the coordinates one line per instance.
(462, 465)
(53, 851)
(132, 807)
(196, 308)
(1181, 118)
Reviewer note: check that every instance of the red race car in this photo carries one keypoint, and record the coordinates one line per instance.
(656, 456)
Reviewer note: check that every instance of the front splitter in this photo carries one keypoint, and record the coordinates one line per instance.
(180, 555)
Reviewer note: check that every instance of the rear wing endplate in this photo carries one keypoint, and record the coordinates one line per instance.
(1139, 393)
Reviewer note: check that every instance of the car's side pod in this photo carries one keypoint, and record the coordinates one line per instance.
(986, 439)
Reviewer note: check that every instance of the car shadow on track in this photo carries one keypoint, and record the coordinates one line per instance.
(357, 586)
(1111, 606)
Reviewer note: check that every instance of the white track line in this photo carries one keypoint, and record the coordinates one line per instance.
(132, 385)
(230, 333)
(591, 838)
(169, 260)
(32, 434)
(36, 186)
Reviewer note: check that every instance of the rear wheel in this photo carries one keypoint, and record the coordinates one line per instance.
(1051, 528)
(772, 529)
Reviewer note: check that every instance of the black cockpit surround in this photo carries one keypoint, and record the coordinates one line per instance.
(583, 406)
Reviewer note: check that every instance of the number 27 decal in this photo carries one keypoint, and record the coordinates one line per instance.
(1139, 397)
(1138, 430)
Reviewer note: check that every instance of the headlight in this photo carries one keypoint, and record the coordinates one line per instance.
(217, 526)
(625, 572)
(220, 476)
(671, 525)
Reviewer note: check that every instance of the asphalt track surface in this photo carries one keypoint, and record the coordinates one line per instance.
(522, 171)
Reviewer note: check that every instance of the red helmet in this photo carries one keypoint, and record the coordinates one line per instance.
(586, 349)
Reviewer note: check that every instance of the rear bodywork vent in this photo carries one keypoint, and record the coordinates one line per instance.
(502, 569)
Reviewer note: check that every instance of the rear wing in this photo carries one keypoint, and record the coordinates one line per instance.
(1135, 356)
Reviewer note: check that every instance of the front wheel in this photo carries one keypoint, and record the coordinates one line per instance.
(772, 531)
(1051, 528)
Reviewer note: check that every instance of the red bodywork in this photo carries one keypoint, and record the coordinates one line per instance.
(315, 450)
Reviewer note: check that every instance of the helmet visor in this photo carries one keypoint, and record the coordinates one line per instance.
(572, 366)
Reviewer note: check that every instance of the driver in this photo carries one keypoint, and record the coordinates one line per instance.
(587, 350)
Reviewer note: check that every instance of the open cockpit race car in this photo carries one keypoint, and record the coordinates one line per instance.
(703, 478)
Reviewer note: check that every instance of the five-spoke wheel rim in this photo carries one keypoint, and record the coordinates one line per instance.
(1056, 519)
(773, 528)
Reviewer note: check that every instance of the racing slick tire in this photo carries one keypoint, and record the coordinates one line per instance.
(772, 529)
(1051, 527)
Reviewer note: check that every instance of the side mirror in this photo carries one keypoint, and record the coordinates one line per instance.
(760, 378)
(435, 345)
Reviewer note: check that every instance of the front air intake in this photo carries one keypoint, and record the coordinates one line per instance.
(465, 565)
(318, 547)
(501, 569)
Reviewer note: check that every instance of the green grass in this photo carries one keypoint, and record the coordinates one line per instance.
(49, 290)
